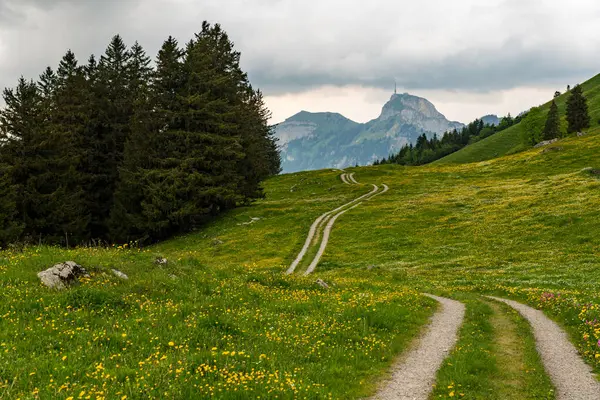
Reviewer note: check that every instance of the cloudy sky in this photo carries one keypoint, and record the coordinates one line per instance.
(468, 58)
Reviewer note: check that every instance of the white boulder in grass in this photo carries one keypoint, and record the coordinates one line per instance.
(161, 261)
(119, 274)
(62, 275)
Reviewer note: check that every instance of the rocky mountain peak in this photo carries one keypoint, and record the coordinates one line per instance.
(416, 111)
(407, 104)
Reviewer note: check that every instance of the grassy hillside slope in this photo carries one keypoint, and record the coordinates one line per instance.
(222, 320)
(512, 140)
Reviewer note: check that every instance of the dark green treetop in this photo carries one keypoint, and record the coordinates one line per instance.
(578, 117)
(552, 126)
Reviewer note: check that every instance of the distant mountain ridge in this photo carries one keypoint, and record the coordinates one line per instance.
(330, 140)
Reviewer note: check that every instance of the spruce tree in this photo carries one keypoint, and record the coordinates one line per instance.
(43, 153)
(114, 101)
(47, 83)
(552, 127)
(213, 93)
(139, 71)
(90, 69)
(10, 225)
(578, 117)
(20, 144)
(151, 153)
(261, 155)
(65, 128)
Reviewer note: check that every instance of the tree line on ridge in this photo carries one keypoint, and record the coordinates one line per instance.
(427, 150)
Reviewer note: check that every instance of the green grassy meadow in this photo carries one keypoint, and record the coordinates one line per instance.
(222, 320)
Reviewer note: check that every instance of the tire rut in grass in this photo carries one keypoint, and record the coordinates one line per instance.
(318, 224)
(321, 228)
(572, 378)
(327, 230)
(413, 376)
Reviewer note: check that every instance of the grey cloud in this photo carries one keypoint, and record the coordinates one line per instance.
(489, 69)
(289, 46)
(15, 11)
(37, 33)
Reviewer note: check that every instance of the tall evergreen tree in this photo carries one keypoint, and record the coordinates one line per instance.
(47, 83)
(151, 152)
(91, 68)
(66, 127)
(114, 145)
(114, 101)
(20, 143)
(552, 127)
(214, 95)
(42, 151)
(10, 225)
(578, 117)
(139, 70)
(261, 155)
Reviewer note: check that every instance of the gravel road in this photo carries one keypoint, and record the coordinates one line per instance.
(414, 374)
(571, 376)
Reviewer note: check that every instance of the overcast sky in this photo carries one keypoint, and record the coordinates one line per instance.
(469, 59)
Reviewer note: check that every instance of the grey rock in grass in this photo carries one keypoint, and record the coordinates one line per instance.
(119, 274)
(62, 275)
(545, 143)
(579, 134)
(322, 283)
(161, 261)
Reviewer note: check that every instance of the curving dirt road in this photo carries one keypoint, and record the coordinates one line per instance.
(414, 375)
(571, 376)
(327, 220)
(325, 239)
(327, 231)
(315, 225)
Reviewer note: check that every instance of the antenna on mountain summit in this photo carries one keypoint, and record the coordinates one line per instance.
(395, 88)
